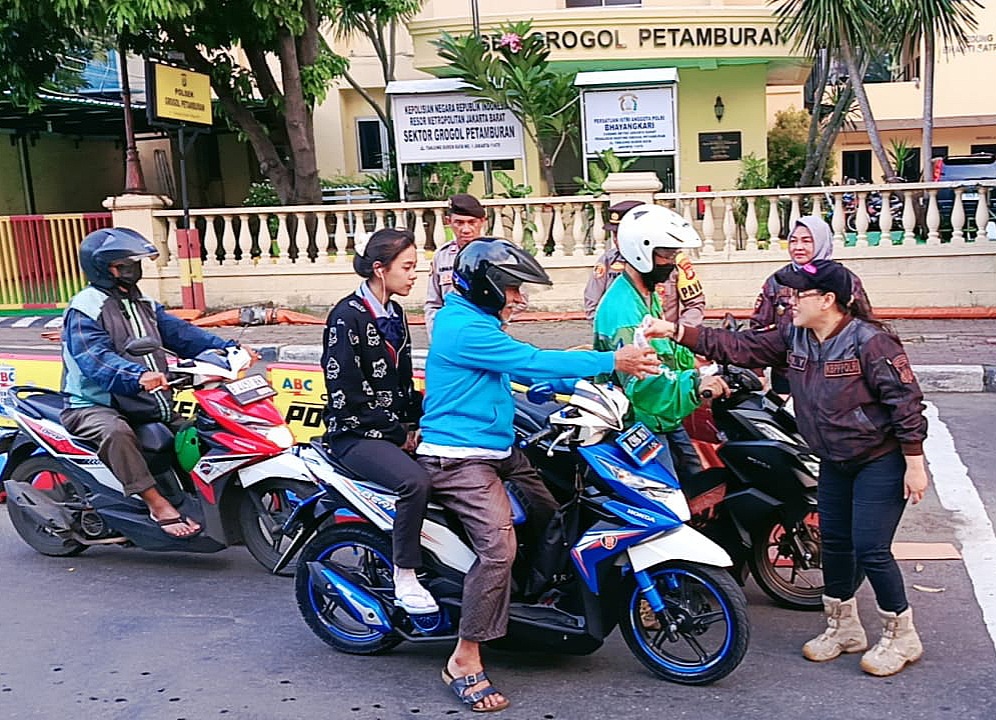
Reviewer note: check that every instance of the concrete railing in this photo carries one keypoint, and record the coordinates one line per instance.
(262, 237)
(301, 256)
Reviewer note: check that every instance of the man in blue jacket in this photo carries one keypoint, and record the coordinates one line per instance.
(109, 388)
(468, 438)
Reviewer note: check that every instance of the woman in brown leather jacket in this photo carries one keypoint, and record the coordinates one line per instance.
(860, 409)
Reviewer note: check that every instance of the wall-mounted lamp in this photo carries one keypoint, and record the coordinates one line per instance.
(719, 108)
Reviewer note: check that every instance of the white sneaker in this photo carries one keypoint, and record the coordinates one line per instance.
(411, 597)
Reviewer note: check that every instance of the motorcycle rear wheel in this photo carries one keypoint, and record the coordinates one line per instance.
(262, 532)
(47, 475)
(698, 600)
(777, 567)
(366, 553)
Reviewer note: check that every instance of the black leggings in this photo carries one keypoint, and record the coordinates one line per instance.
(387, 464)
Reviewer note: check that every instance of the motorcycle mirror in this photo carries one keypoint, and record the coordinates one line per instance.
(141, 346)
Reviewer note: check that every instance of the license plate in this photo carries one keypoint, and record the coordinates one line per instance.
(640, 444)
(250, 389)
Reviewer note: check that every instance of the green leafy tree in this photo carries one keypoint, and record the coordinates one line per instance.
(378, 21)
(517, 75)
(790, 152)
(926, 21)
(853, 31)
(754, 175)
(599, 169)
(270, 100)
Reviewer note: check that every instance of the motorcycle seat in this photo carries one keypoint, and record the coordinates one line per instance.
(319, 445)
(47, 405)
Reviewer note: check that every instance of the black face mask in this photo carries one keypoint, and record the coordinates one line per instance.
(129, 275)
(659, 274)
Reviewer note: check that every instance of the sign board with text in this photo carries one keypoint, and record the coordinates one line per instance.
(177, 95)
(719, 147)
(453, 127)
(629, 121)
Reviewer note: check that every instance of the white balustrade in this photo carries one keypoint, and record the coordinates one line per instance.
(256, 239)
(982, 213)
(750, 223)
(774, 224)
(933, 219)
(958, 218)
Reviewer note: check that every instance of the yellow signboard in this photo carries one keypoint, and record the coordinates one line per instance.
(180, 95)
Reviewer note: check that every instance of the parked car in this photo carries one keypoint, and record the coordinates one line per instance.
(965, 168)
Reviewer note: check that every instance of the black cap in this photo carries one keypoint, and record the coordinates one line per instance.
(617, 211)
(464, 204)
(822, 275)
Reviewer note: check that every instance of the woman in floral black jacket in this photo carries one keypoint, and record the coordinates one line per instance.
(372, 405)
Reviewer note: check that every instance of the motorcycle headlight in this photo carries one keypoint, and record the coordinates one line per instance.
(281, 436)
(671, 498)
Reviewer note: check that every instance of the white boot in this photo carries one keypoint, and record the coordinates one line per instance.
(899, 645)
(409, 594)
(844, 633)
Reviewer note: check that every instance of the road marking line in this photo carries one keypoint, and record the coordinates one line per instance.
(972, 524)
(25, 321)
(55, 322)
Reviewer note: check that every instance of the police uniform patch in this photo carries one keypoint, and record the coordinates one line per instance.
(842, 368)
(797, 362)
(617, 266)
(599, 270)
(757, 303)
(446, 277)
(902, 365)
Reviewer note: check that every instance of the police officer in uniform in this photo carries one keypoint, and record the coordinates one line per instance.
(681, 296)
(467, 219)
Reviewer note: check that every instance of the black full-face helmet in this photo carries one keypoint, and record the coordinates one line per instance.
(486, 266)
(103, 247)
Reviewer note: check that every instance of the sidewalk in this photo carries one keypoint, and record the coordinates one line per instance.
(948, 355)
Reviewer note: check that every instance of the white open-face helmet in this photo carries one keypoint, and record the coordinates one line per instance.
(648, 227)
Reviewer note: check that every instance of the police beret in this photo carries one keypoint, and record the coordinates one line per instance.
(823, 275)
(617, 211)
(468, 205)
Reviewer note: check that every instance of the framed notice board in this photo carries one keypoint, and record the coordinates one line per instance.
(718, 147)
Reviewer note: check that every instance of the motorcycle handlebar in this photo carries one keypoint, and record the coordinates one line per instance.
(536, 437)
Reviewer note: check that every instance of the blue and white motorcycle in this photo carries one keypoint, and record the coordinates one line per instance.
(618, 552)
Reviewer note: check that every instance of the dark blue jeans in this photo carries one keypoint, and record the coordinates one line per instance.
(860, 507)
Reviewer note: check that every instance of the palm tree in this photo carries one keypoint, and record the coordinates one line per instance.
(926, 21)
(849, 29)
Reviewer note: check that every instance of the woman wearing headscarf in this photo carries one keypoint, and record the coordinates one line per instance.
(810, 240)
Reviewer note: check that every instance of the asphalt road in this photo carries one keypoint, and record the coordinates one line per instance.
(125, 634)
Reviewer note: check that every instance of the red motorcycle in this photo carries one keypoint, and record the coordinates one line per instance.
(227, 469)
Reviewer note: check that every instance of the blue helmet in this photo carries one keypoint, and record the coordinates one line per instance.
(103, 247)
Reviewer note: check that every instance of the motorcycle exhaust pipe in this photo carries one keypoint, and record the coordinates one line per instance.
(358, 602)
(39, 507)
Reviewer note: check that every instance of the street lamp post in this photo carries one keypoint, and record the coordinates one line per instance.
(134, 179)
(475, 18)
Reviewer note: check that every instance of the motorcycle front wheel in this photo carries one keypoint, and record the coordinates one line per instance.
(47, 476)
(703, 632)
(262, 513)
(363, 553)
(791, 580)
